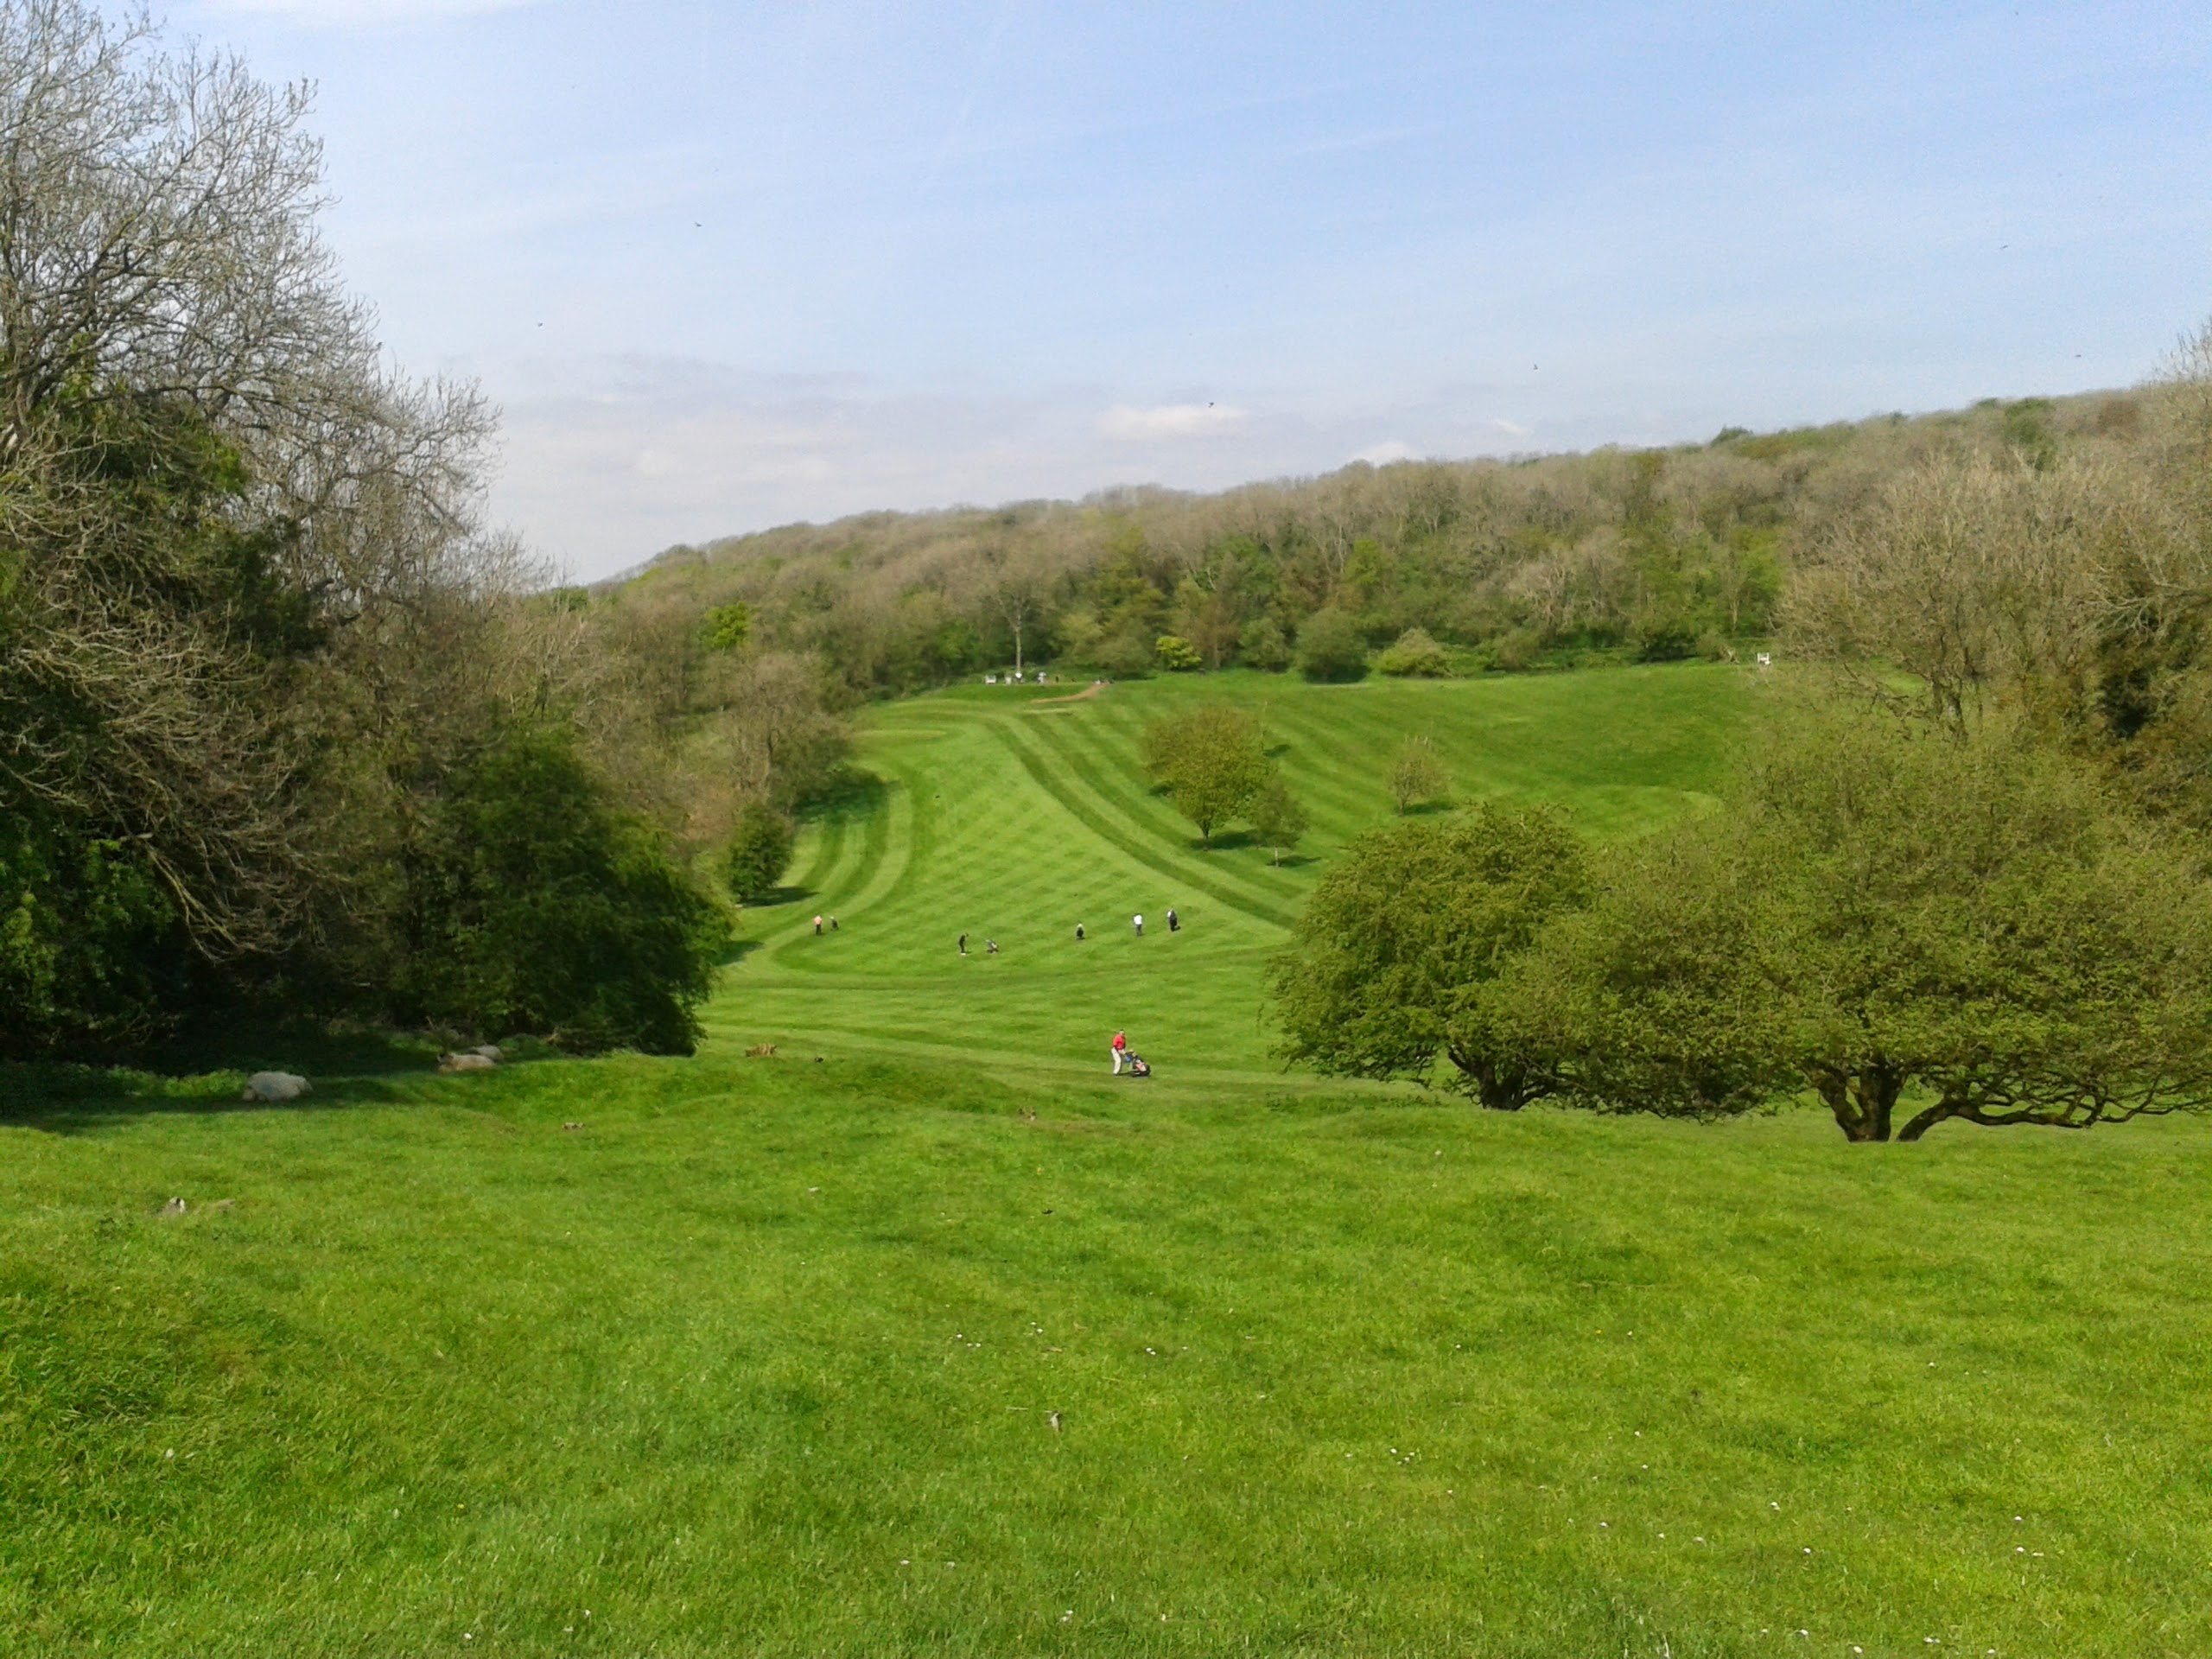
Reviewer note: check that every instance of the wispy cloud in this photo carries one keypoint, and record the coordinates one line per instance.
(1382, 454)
(1167, 423)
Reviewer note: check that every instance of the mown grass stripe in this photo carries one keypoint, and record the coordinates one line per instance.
(1128, 795)
(1083, 805)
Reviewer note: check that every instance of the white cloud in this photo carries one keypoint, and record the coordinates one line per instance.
(1168, 421)
(1390, 449)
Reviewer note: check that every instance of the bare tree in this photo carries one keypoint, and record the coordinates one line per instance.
(221, 514)
(1969, 575)
(1017, 583)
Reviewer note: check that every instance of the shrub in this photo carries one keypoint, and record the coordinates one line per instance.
(1329, 647)
(1415, 655)
(1262, 645)
(1515, 653)
(1175, 654)
(759, 853)
(1662, 634)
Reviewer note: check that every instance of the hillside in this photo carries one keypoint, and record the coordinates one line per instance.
(1646, 554)
(951, 1343)
(1012, 814)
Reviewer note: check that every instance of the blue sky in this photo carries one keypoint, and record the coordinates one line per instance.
(728, 266)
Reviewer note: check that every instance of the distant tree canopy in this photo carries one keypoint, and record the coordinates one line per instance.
(1653, 555)
(1212, 761)
(729, 627)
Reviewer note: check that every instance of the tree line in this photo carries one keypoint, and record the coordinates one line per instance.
(1415, 568)
(1963, 877)
(286, 727)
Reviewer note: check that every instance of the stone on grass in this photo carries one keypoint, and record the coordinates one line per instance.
(469, 1062)
(275, 1085)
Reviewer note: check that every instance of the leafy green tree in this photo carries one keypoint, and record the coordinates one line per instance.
(1212, 761)
(1976, 918)
(1416, 774)
(1176, 654)
(1262, 645)
(1415, 655)
(1887, 918)
(1656, 997)
(1277, 817)
(91, 955)
(1329, 647)
(1387, 969)
(760, 851)
(729, 627)
(239, 560)
(536, 906)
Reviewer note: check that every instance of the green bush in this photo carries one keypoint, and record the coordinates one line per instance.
(1262, 645)
(1415, 655)
(759, 853)
(729, 627)
(90, 951)
(1515, 653)
(1175, 654)
(537, 907)
(1329, 647)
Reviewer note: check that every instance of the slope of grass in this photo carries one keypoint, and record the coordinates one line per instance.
(729, 1356)
(1012, 817)
(761, 1358)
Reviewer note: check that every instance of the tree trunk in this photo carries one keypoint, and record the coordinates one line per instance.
(1500, 1088)
(1929, 1118)
(1863, 1102)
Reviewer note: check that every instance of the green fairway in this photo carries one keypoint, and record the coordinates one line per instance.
(1012, 816)
(737, 1355)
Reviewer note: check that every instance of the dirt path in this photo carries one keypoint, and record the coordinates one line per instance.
(1090, 690)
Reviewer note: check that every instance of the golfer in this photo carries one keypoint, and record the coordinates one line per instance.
(1137, 922)
(1120, 1049)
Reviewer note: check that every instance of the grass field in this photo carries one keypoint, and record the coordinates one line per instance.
(1010, 817)
(763, 1356)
